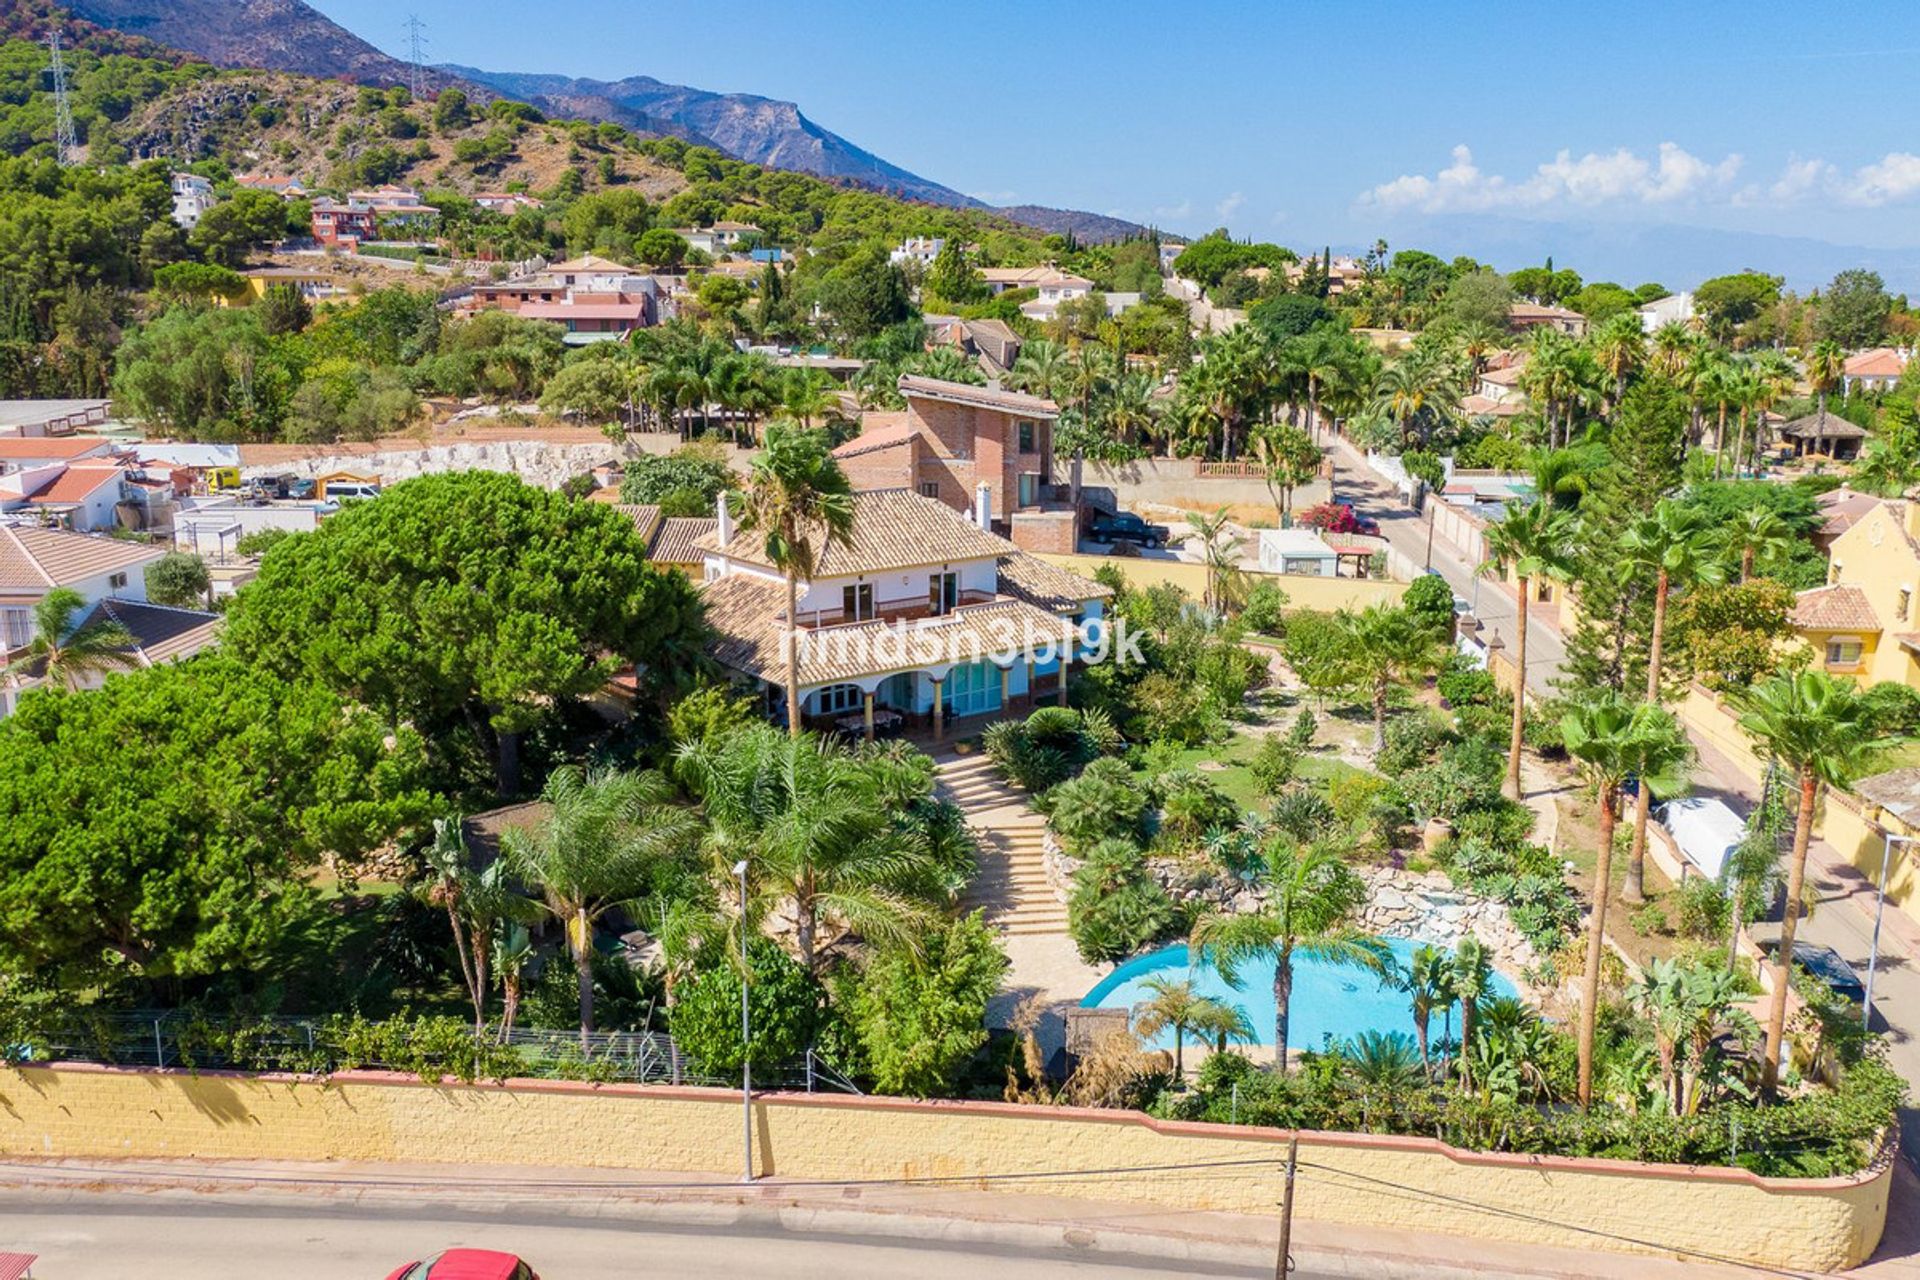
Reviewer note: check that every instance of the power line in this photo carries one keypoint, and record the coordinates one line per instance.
(66, 143)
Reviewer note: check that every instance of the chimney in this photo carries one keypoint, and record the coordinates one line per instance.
(724, 515)
(983, 506)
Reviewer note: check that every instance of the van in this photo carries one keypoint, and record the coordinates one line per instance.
(349, 490)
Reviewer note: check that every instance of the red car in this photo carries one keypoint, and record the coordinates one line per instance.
(466, 1264)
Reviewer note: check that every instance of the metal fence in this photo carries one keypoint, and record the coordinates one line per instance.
(171, 1039)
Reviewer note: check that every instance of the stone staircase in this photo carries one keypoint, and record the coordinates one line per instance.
(1012, 882)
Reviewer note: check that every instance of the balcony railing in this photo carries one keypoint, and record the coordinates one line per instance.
(887, 611)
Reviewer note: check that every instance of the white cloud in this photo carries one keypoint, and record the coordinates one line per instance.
(1616, 177)
(1799, 179)
(1182, 210)
(1895, 176)
(1228, 206)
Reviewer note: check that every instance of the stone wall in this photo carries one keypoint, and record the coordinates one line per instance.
(535, 461)
(1417, 1184)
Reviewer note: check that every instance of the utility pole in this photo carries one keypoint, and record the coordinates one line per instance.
(1281, 1262)
(416, 53)
(66, 144)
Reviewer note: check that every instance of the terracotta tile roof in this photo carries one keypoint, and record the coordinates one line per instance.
(1881, 362)
(744, 610)
(53, 449)
(913, 386)
(1842, 607)
(482, 831)
(77, 484)
(892, 529)
(1818, 426)
(645, 517)
(1046, 586)
(1844, 509)
(1482, 406)
(678, 539)
(161, 634)
(1508, 376)
(1534, 311)
(592, 264)
(872, 440)
(34, 559)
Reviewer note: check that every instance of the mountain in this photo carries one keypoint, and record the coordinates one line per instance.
(1631, 253)
(764, 131)
(289, 35)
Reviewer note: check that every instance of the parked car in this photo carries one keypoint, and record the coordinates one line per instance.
(300, 488)
(466, 1264)
(1127, 527)
(1829, 968)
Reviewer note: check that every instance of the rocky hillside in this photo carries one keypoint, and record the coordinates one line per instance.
(291, 36)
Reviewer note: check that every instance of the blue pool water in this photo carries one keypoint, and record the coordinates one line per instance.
(1328, 999)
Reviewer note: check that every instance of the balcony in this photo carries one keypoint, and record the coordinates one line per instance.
(888, 611)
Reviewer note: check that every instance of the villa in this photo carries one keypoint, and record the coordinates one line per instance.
(1863, 622)
(924, 617)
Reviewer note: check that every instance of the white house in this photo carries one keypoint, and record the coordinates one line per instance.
(80, 496)
(1675, 308)
(1297, 551)
(924, 616)
(920, 249)
(718, 238)
(192, 196)
(1877, 369)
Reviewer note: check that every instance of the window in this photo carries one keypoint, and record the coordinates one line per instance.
(16, 628)
(117, 582)
(1906, 603)
(930, 488)
(1843, 651)
(943, 592)
(856, 602)
(838, 699)
(1026, 437)
(972, 689)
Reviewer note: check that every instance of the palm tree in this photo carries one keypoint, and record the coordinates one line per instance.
(1621, 348)
(1175, 1004)
(1221, 549)
(1418, 393)
(1132, 412)
(1613, 740)
(1469, 974)
(1759, 534)
(800, 501)
(1826, 368)
(66, 649)
(1040, 369)
(512, 949)
(1823, 730)
(1289, 458)
(1429, 981)
(1385, 1058)
(1533, 542)
(607, 837)
(807, 394)
(817, 834)
(1674, 347)
(1311, 895)
(1385, 646)
(477, 904)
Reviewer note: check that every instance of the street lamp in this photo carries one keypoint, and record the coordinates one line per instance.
(1879, 910)
(746, 1036)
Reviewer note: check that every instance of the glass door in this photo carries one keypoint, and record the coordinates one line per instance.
(972, 690)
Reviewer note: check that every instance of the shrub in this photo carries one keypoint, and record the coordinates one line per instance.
(1411, 742)
(1430, 599)
(1191, 805)
(1273, 763)
(920, 1014)
(1464, 778)
(1302, 813)
(1894, 707)
(1464, 685)
(1353, 795)
(1049, 746)
(1116, 907)
(1701, 910)
(1264, 610)
(1170, 709)
(785, 1002)
(179, 579)
(261, 541)
(1105, 802)
(710, 711)
(1300, 736)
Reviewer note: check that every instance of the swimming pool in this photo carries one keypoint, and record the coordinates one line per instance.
(1328, 999)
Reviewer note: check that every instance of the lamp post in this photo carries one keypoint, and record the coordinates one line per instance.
(1879, 910)
(746, 1036)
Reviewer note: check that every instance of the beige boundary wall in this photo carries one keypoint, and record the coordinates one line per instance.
(1418, 1184)
(1322, 595)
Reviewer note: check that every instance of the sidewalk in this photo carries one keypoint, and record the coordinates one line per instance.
(1019, 1220)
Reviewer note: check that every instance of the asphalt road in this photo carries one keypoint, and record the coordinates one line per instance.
(116, 1236)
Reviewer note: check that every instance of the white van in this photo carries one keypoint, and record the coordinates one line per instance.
(350, 490)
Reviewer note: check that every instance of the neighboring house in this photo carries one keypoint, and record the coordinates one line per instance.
(343, 226)
(673, 542)
(79, 495)
(1501, 386)
(954, 438)
(22, 419)
(924, 616)
(282, 185)
(109, 575)
(1298, 551)
(192, 196)
(311, 283)
(1875, 370)
(1864, 623)
(1840, 509)
(595, 299)
(401, 205)
(1522, 316)
(507, 202)
(1823, 435)
(718, 238)
(992, 343)
(920, 249)
(1053, 284)
(1675, 308)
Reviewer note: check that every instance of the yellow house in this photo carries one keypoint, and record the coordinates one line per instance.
(1864, 623)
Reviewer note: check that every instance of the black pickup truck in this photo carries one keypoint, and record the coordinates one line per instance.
(1127, 527)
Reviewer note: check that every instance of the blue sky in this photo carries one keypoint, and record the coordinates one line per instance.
(1305, 123)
